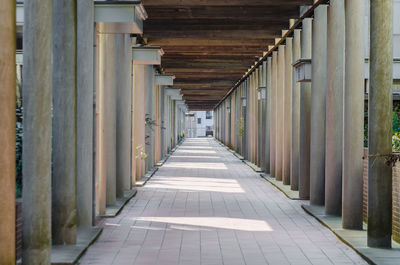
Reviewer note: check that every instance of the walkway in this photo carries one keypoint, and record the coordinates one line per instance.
(204, 206)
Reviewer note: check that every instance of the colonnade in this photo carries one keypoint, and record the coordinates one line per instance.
(310, 133)
(98, 115)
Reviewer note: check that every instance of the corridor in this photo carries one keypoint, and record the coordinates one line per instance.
(204, 206)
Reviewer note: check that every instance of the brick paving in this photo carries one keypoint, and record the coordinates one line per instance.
(204, 206)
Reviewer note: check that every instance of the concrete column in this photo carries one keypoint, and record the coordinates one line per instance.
(318, 106)
(267, 72)
(246, 120)
(260, 123)
(334, 108)
(162, 121)
(252, 118)
(273, 127)
(64, 217)
(287, 112)
(110, 117)
(7, 131)
(295, 145)
(256, 115)
(139, 121)
(222, 122)
(380, 125)
(305, 101)
(167, 123)
(36, 194)
(353, 118)
(225, 121)
(237, 120)
(279, 112)
(244, 123)
(157, 129)
(101, 176)
(84, 86)
(233, 121)
(149, 105)
(228, 121)
(174, 124)
(123, 123)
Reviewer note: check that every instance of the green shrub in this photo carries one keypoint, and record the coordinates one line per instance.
(18, 144)
(396, 142)
(395, 127)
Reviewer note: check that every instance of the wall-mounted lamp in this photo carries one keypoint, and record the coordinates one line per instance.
(261, 92)
(303, 71)
(244, 101)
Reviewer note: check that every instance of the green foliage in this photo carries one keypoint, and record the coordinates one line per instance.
(240, 127)
(396, 120)
(18, 147)
(140, 153)
(396, 142)
(18, 138)
(395, 128)
(149, 122)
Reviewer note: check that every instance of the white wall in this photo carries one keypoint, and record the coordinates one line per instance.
(202, 126)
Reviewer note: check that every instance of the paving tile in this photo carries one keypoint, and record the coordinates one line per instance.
(206, 207)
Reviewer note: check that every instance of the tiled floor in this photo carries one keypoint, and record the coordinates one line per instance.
(204, 206)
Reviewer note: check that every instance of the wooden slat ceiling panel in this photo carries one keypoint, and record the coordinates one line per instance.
(210, 44)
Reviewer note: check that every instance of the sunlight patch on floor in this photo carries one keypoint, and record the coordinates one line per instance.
(201, 157)
(195, 147)
(249, 225)
(191, 151)
(192, 165)
(195, 187)
(198, 179)
(195, 184)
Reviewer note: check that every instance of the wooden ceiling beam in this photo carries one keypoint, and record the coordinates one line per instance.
(214, 57)
(210, 44)
(221, 47)
(235, 40)
(201, 97)
(165, 3)
(178, 70)
(202, 90)
(202, 84)
(244, 23)
(273, 13)
(215, 34)
(208, 65)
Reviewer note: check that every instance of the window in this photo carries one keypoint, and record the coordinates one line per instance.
(208, 115)
(198, 120)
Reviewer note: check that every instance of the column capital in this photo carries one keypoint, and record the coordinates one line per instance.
(147, 55)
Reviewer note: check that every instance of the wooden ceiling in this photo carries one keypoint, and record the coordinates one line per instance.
(210, 44)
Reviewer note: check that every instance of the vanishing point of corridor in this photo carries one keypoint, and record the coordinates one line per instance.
(204, 206)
